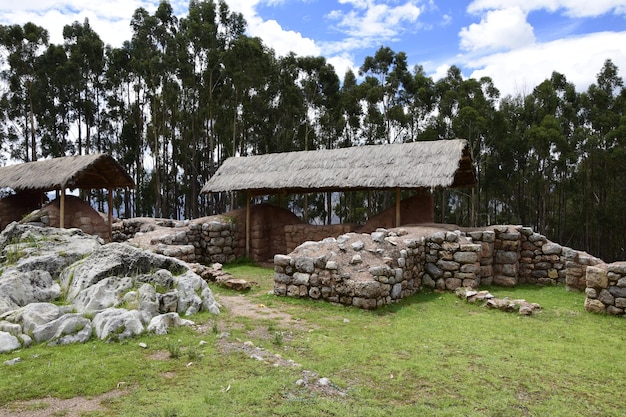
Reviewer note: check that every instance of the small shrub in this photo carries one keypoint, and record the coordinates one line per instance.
(193, 354)
(174, 350)
(278, 338)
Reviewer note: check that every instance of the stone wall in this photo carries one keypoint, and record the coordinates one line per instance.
(206, 240)
(370, 270)
(362, 270)
(606, 288)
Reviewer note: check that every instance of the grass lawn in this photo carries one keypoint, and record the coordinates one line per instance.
(430, 355)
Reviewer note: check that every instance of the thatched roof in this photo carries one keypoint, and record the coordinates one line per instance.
(84, 172)
(445, 163)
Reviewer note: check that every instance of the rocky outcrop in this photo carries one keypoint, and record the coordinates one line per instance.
(111, 291)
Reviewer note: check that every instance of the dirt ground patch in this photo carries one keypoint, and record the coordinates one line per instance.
(240, 305)
(49, 406)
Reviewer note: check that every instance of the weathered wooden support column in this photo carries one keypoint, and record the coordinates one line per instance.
(247, 224)
(62, 209)
(398, 197)
(110, 215)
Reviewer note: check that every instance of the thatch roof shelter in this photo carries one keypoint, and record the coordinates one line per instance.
(414, 165)
(96, 171)
(431, 164)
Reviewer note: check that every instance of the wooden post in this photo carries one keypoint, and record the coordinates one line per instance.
(62, 210)
(398, 196)
(247, 224)
(110, 215)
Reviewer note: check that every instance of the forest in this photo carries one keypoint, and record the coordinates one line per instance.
(183, 94)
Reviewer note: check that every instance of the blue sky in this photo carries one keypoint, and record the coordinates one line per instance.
(518, 43)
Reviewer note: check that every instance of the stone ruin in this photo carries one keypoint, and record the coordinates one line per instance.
(379, 268)
(369, 266)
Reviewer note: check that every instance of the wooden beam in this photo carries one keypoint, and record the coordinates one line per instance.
(62, 210)
(247, 224)
(110, 215)
(398, 197)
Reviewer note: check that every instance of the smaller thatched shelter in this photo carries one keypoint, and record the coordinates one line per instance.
(96, 171)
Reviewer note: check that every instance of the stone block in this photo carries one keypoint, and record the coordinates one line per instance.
(300, 278)
(453, 283)
(280, 289)
(471, 283)
(293, 291)
(448, 265)
(617, 268)
(506, 257)
(510, 270)
(551, 248)
(304, 264)
(515, 236)
(366, 303)
(614, 311)
(594, 306)
(510, 245)
(282, 278)
(618, 292)
(489, 236)
(596, 277)
(466, 257)
(471, 268)
(504, 281)
(620, 302)
(606, 297)
(486, 271)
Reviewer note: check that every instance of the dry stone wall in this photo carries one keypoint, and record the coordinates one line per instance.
(371, 270)
(207, 240)
(606, 289)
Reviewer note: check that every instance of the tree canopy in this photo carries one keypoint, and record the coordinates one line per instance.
(183, 94)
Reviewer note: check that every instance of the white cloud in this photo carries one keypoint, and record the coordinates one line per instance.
(283, 41)
(342, 63)
(111, 20)
(369, 19)
(578, 58)
(572, 8)
(499, 29)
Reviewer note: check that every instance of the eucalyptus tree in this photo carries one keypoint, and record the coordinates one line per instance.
(86, 57)
(248, 65)
(288, 109)
(319, 84)
(152, 43)
(602, 170)
(386, 74)
(418, 98)
(22, 45)
(552, 121)
(54, 102)
(351, 110)
(122, 118)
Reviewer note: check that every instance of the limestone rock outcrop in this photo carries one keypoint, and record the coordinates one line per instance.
(110, 291)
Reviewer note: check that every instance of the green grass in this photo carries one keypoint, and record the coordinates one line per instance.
(430, 355)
